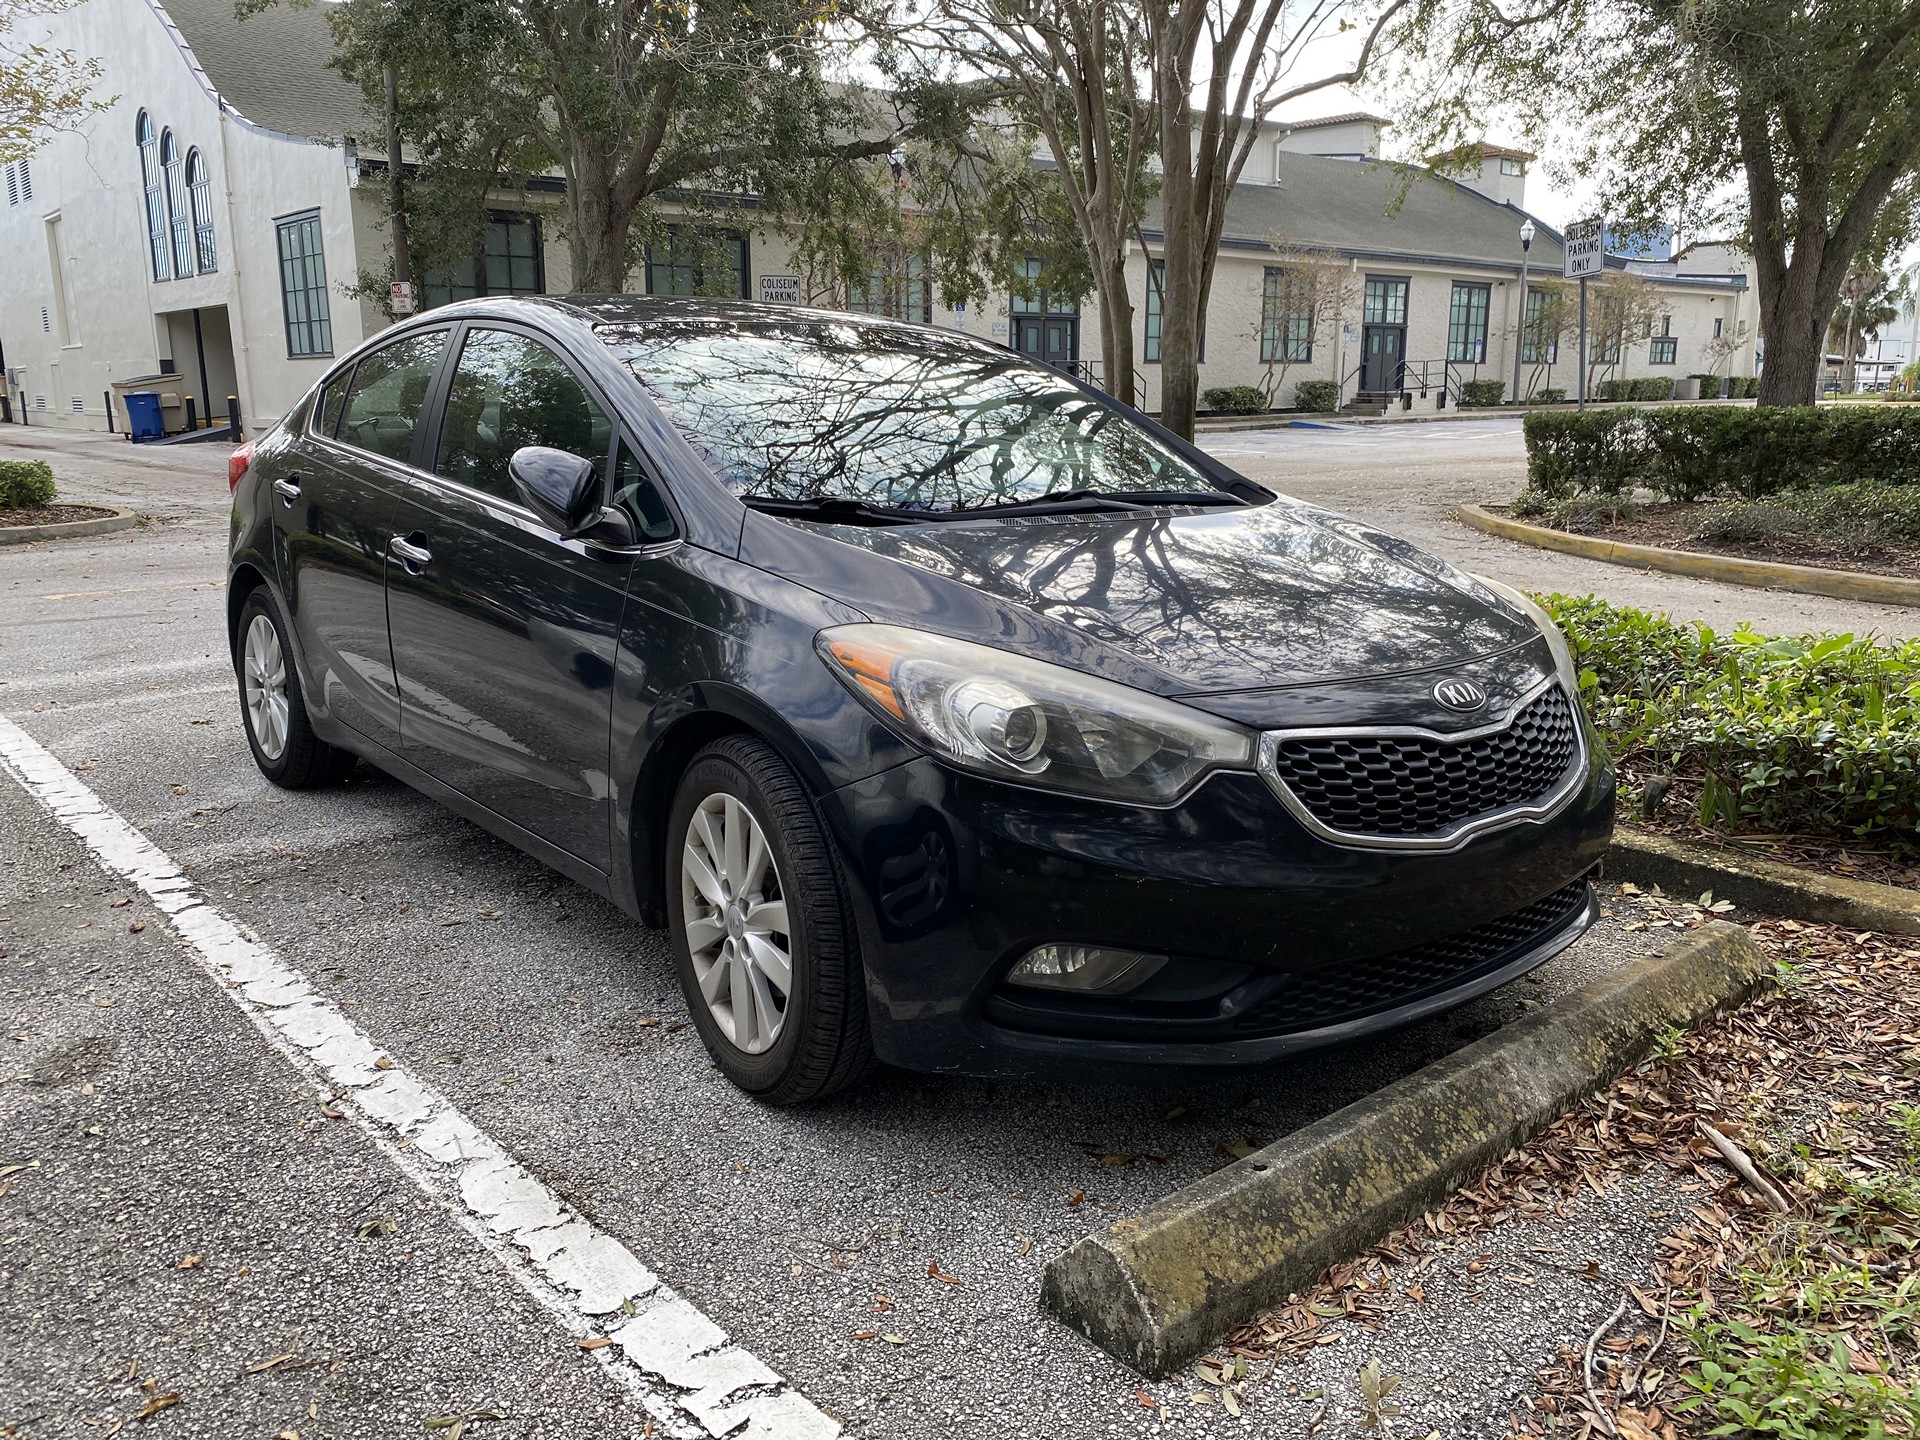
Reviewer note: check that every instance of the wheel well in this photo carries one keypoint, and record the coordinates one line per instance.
(653, 797)
(243, 583)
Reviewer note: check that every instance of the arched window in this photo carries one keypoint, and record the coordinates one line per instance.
(156, 207)
(177, 216)
(200, 200)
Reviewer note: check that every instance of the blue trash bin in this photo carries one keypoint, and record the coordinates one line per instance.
(143, 415)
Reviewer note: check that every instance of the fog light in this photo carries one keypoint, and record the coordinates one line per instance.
(1087, 969)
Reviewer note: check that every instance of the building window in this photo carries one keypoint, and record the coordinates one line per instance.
(177, 219)
(1538, 347)
(156, 205)
(200, 201)
(1510, 166)
(509, 263)
(698, 262)
(19, 183)
(1040, 301)
(1467, 323)
(1385, 302)
(1664, 350)
(303, 287)
(1156, 285)
(899, 291)
(1286, 318)
(1716, 327)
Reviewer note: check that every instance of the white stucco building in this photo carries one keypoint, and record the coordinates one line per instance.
(203, 237)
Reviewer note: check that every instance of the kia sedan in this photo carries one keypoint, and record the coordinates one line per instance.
(944, 711)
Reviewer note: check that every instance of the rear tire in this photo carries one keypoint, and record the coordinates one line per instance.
(753, 888)
(272, 709)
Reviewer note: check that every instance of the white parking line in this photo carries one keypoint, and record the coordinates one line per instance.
(679, 1365)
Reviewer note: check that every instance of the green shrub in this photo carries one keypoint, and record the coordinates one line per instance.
(1815, 734)
(1321, 396)
(1236, 399)
(1709, 386)
(1745, 521)
(1553, 395)
(1650, 388)
(25, 482)
(1475, 393)
(1862, 514)
(1749, 387)
(1695, 452)
(1615, 390)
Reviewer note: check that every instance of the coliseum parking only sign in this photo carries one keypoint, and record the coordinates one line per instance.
(780, 289)
(1586, 248)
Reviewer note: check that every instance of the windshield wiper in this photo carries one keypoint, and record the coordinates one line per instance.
(837, 510)
(1067, 502)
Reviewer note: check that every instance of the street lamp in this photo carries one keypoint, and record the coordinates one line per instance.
(1520, 339)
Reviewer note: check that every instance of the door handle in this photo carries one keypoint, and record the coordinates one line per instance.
(410, 555)
(287, 490)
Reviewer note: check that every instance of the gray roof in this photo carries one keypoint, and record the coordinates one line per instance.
(1321, 203)
(272, 67)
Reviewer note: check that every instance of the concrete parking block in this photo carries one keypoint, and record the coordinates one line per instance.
(1159, 1287)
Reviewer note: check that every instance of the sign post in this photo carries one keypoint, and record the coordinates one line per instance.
(400, 297)
(1586, 252)
(779, 289)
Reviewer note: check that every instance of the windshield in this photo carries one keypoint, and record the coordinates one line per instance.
(830, 411)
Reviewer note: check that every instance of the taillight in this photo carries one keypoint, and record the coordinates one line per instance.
(237, 464)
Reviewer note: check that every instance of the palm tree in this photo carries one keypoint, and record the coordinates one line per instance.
(1868, 303)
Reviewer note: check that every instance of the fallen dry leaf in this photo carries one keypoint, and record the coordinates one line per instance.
(935, 1272)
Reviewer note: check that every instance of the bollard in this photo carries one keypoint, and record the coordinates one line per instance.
(233, 419)
(193, 420)
(107, 395)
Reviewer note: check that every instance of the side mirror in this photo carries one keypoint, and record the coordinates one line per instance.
(562, 489)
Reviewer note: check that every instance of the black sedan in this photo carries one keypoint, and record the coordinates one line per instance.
(944, 711)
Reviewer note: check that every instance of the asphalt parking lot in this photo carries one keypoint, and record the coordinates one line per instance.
(882, 1253)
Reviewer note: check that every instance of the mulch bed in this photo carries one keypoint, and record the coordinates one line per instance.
(1666, 525)
(51, 514)
(1804, 1079)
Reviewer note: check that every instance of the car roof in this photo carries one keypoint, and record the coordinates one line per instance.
(644, 309)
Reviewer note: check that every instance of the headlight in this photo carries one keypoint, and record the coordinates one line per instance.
(1562, 652)
(1018, 719)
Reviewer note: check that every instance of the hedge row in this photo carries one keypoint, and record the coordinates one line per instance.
(1812, 735)
(1235, 399)
(1695, 452)
(1645, 388)
(25, 482)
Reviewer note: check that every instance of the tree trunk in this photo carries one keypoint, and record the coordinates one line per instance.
(1116, 329)
(1794, 320)
(601, 225)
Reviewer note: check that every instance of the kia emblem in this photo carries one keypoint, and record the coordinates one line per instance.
(1461, 695)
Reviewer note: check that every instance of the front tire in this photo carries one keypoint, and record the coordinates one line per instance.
(272, 709)
(767, 954)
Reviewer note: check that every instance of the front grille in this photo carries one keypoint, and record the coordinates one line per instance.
(1321, 997)
(1413, 786)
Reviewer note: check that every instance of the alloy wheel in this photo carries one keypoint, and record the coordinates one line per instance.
(736, 922)
(264, 669)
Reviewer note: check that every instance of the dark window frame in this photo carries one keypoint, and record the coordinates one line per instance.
(1152, 318)
(1399, 287)
(1281, 340)
(200, 209)
(440, 287)
(1466, 342)
(695, 265)
(159, 250)
(1530, 346)
(1663, 345)
(317, 328)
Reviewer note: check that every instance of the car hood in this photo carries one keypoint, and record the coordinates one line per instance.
(1275, 595)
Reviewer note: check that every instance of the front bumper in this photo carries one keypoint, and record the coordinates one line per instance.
(1282, 941)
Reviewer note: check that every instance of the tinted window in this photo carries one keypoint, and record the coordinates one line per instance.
(509, 391)
(388, 389)
(865, 413)
(635, 492)
(326, 410)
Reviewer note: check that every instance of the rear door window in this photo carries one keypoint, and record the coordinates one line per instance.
(388, 392)
(508, 391)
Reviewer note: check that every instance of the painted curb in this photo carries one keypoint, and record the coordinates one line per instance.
(1757, 883)
(70, 529)
(1158, 1288)
(1730, 569)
